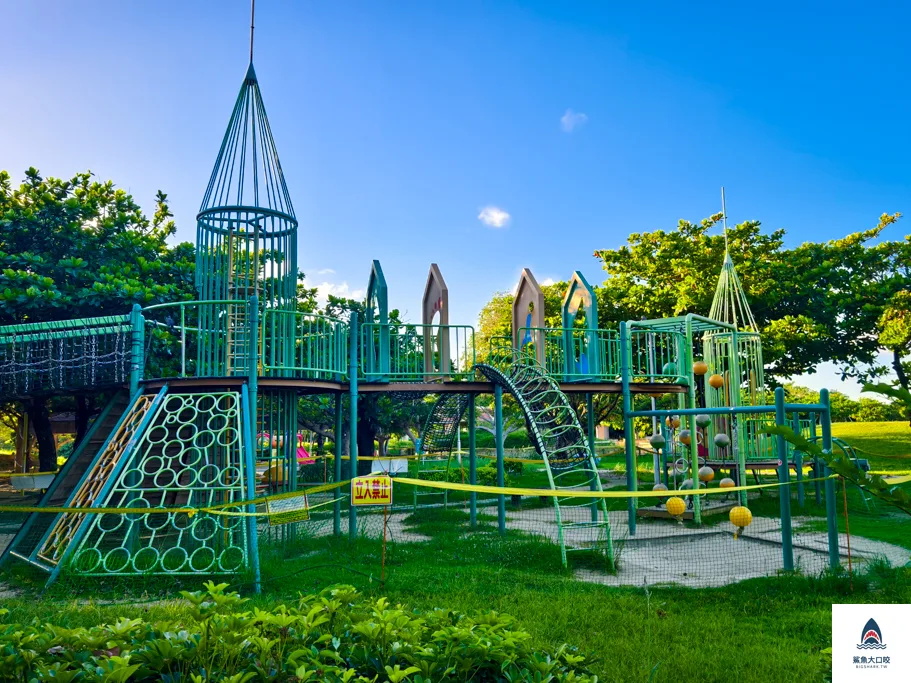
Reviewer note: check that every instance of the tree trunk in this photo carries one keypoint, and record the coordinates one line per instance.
(83, 415)
(366, 431)
(40, 418)
(899, 369)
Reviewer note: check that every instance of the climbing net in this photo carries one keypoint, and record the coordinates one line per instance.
(46, 357)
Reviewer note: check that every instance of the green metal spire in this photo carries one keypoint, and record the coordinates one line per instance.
(730, 304)
(246, 229)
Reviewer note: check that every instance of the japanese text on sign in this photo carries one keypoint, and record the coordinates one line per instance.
(371, 490)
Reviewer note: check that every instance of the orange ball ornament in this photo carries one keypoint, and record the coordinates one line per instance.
(716, 381)
(700, 368)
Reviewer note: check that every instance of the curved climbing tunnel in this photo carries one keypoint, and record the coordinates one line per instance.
(559, 439)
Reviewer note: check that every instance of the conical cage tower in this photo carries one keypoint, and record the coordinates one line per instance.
(246, 233)
(735, 353)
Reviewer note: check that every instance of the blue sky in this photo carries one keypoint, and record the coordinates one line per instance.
(398, 123)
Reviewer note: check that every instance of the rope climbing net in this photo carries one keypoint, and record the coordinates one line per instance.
(40, 358)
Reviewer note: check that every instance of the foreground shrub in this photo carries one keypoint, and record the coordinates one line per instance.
(338, 635)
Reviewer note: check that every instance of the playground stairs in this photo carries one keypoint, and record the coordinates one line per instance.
(437, 439)
(557, 435)
(36, 525)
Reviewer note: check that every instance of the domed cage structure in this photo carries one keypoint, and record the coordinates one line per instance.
(246, 236)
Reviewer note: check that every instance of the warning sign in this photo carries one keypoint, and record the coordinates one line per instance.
(371, 490)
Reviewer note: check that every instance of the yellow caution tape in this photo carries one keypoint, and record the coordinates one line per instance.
(579, 493)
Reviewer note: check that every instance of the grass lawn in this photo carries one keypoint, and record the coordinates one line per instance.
(887, 445)
(769, 629)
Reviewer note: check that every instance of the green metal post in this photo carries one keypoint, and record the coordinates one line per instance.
(798, 461)
(337, 522)
(137, 337)
(501, 478)
(352, 428)
(784, 491)
(250, 466)
(666, 433)
(590, 423)
(687, 371)
(630, 437)
(472, 463)
(250, 451)
(831, 518)
(817, 465)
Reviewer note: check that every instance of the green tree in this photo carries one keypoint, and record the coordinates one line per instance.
(816, 302)
(78, 248)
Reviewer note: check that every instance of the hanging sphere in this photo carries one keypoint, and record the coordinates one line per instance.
(659, 487)
(716, 381)
(726, 483)
(722, 440)
(741, 517)
(700, 368)
(656, 440)
(676, 507)
(703, 420)
(669, 369)
(686, 438)
(675, 422)
(686, 485)
(706, 473)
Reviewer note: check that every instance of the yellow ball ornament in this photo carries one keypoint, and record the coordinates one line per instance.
(675, 506)
(741, 518)
(716, 381)
(700, 368)
(706, 473)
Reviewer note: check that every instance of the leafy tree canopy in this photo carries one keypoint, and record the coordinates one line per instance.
(80, 247)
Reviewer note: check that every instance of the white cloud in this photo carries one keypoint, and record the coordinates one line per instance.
(324, 289)
(494, 217)
(571, 120)
(546, 282)
(325, 271)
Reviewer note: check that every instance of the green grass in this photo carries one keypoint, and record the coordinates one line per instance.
(767, 629)
(887, 445)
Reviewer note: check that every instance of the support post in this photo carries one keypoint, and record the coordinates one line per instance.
(252, 385)
(250, 465)
(798, 461)
(687, 371)
(784, 491)
(352, 428)
(337, 517)
(629, 436)
(472, 463)
(137, 339)
(590, 424)
(501, 478)
(831, 518)
(817, 465)
(666, 433)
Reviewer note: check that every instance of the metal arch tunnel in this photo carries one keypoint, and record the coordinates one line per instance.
(559, 439)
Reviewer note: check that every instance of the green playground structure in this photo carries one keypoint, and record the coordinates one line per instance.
(204, 394)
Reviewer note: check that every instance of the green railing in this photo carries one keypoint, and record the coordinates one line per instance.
(575, 354)
(657, 356)
(307, 345)
(198, 339)
(416, 353)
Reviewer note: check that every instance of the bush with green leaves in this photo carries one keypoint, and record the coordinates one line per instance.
(337, 635)
(487, 475)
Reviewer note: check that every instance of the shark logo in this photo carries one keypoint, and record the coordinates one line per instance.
(871, 637)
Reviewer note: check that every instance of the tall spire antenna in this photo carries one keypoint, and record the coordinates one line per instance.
(252, 13)
(724, 211)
